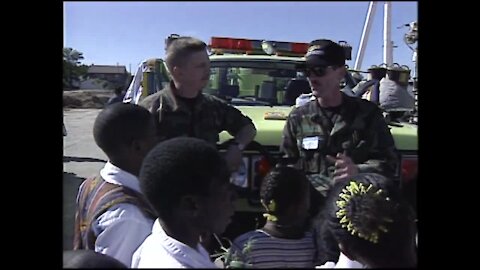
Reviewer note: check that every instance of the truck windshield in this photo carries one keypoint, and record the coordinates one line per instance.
(255, 83)
(259, 82)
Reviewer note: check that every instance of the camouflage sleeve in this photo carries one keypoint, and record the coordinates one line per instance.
(289, 139)
(146, 102)
(321, 183)
(383, 158)
(234, 120)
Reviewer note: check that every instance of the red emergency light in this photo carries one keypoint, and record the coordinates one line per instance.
(231, 44)
(241, 45)
(300, 48)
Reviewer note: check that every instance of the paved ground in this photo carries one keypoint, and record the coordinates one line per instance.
(81, 159)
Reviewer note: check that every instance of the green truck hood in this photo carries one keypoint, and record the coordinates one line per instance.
(269, 131)
(269, 122)
(405, 137)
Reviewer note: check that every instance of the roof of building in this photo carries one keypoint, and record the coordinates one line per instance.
(107, 69)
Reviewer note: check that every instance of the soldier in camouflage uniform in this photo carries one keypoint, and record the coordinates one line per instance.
(181, 109)
(336, 136)
(333, 136)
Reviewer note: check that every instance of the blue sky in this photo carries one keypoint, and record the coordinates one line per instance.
(125, 33)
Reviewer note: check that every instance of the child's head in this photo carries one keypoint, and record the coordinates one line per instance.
(285, 193)
(372, 222)
(89, 259)
(125, 132)
(186, 180)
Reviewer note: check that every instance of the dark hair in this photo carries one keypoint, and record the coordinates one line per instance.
(119, 124)
(178, 167)
(368, 215)
(180, 49)
(89, 259)
(285, 185)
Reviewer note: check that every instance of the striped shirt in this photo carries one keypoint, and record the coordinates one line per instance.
(267, 251)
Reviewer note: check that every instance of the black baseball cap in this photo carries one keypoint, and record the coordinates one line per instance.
(324, 52)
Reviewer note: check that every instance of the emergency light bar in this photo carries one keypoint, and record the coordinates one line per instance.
(249, 46)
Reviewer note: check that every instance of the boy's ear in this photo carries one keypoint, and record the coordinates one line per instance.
(139, 146)
(190, 204)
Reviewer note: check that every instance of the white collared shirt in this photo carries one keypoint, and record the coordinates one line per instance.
(162, 251)
(123, 227)
(343, 262)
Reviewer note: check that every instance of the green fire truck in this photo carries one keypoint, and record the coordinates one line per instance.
(264, 85)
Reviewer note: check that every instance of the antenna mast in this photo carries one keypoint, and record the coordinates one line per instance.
(366, 31)
(387, 37)
(387, 40)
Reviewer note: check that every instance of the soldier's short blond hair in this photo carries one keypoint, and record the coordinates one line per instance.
(180, 49)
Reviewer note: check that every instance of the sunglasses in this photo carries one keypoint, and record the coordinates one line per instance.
(319, 71)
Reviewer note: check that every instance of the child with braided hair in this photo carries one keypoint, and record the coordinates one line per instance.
(285, 241)
(372, 222)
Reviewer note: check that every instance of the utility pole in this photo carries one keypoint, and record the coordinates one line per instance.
(387, 37)
(387, 40)
(365, 33)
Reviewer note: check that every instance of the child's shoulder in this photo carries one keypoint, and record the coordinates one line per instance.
(250, 236)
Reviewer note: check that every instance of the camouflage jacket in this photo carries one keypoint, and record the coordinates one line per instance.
(359, 130)
(210, 116)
